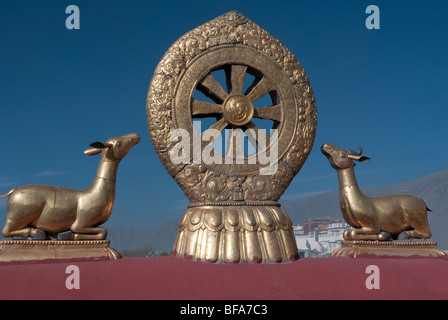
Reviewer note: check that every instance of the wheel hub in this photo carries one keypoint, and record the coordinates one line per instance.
(238, 110)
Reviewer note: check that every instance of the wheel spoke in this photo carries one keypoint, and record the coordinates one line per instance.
(271, 113)
(257, 135)
(212, 89)
(205, 108)
(238, 73)
(235, 145)
(258, 90)
(220, 126)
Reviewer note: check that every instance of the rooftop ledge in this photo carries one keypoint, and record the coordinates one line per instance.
(171, 278)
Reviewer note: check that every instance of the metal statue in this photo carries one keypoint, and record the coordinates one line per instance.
(42, 211)
(382, 218)
(233, 215)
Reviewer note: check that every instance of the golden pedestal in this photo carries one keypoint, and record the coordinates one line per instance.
(388, 249)
(38, 250)
(232, 233)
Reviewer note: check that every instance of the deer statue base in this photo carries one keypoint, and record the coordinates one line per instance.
(388, 249)
(39, 250)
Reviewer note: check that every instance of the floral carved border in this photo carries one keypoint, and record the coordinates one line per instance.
(201, 183)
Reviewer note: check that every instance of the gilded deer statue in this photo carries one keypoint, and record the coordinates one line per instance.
(38, 211)
(382, 218)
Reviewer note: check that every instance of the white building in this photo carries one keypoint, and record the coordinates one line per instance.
(319, 237)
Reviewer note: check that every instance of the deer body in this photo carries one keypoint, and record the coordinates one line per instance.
(54, 210)
(380, 218)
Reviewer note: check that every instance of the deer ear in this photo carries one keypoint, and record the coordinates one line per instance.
(359, 158)
(97, 148)
(92, 152)
(98, 145)
(364, 159)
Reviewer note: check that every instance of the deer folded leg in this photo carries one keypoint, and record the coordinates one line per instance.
(418, 222)
(25, 232)
(97, 233)
(419, 234)
(365, 234)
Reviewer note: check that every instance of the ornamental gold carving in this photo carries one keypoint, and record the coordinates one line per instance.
(239, 194)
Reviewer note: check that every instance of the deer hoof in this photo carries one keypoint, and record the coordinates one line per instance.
(385, 236)
(404, 235)
(40, 235)
(66, 235)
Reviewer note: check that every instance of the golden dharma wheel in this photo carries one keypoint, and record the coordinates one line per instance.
(248, 110)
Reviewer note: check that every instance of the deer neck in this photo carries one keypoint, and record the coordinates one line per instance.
(347, 178)
(102, 190)
(348, 186)
(107, 170)
(351, 198)
(105, 178)
(349, 191)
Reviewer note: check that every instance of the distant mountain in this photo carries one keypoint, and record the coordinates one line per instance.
(161, 237)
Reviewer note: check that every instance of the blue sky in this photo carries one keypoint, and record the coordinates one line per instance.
(60, 90)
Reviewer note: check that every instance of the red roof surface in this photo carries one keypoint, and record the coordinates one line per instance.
(168, 278)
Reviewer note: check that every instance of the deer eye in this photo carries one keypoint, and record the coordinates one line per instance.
(118, 144)
(343, 155)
